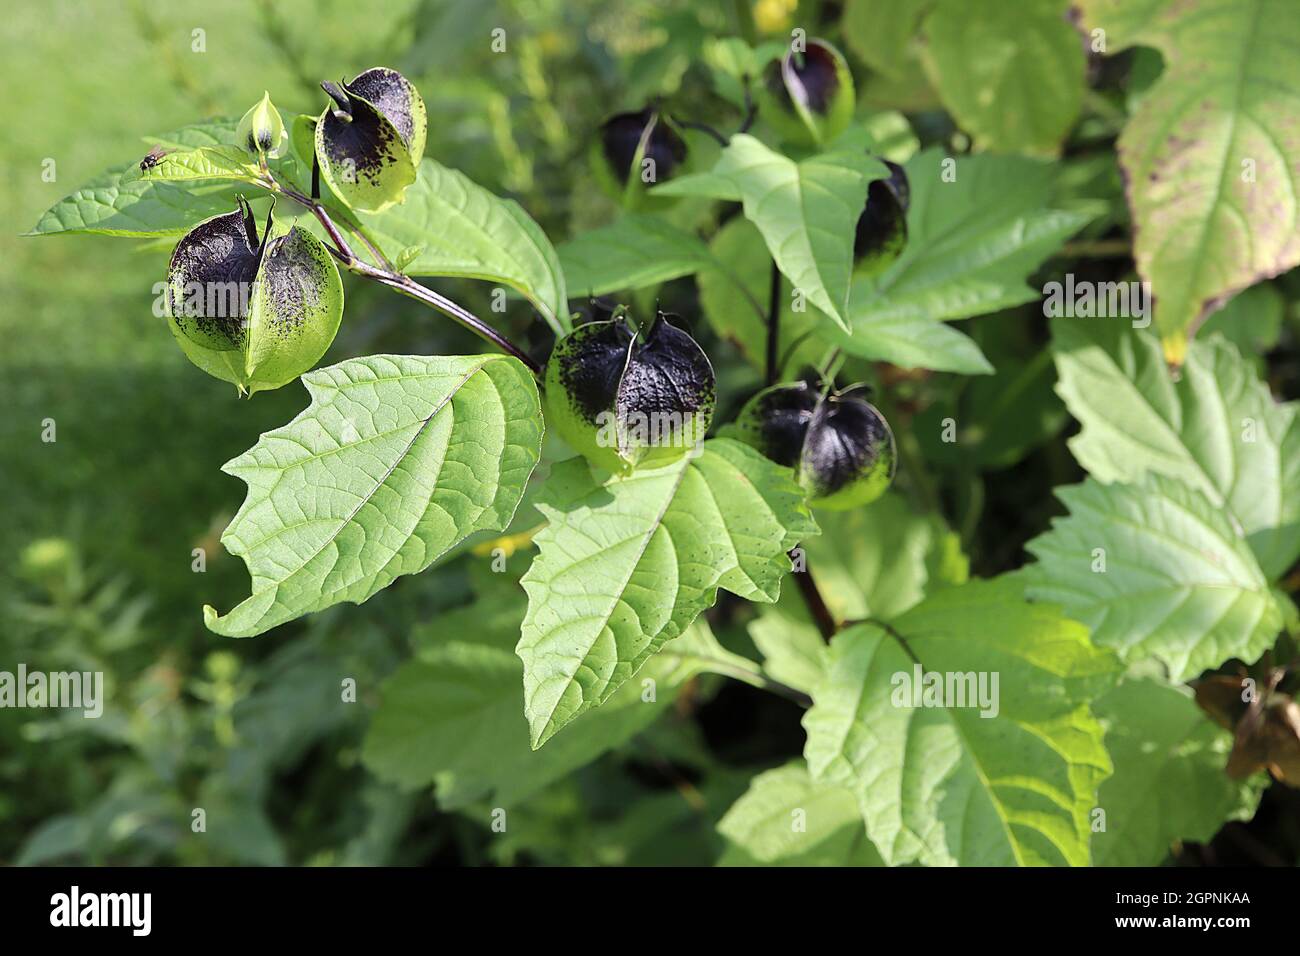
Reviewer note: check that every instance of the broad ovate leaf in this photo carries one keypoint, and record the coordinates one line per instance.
(1169, 783)
(807, 211)
(999, 774)
(397, 459)
(632, 253)
(787, 818)
(1217, 428)
(450, 226)
(1155, 570)
(1212, 151)
(625, 564)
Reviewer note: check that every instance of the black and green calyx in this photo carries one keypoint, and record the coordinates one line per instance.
(839, 445)
(626, 403)
(808, 95)
(882, 228)
(257, 312)
(370, 139)
(637, 150)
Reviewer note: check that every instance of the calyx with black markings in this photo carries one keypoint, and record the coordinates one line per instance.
(637, 150)
(839, 445)
(370, 140)
(882, 228)
(257, 312)
(623, 402)
(808, 95)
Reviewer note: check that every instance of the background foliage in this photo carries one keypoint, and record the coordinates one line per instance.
(98, 527)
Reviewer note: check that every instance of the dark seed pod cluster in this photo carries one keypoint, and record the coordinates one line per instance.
(882, 227)
(637, 150)
(839, 445)
(623, 402)
(369, 142)
(257, 312)
(808, 94)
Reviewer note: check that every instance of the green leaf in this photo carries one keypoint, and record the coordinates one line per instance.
(1169, 783)
(632, 253)
(793, 649)
(807, 211)
(786, 818)
(624, 565)
(972, 242)
(1217, 429)
(206, 162)
(1173, 580)
(734, 293)
(397, 459)
(1011, 74)
(1252, 320)
(943, 785)
(120, 203)
(453, 717)
(1210, 154)
(463, 230)
(879, 32)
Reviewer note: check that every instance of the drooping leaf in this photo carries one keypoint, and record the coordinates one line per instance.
(972, 242)
(879, 31)
(632, 253)
(805, 210)
(453, 717)
(786, 818)
(1211, 153)
(397, 459)
(945, 785)
(1169, 782)
(1012, 74)
(1157, 571)
(1218, 429)
(458, 228)
(624, 565)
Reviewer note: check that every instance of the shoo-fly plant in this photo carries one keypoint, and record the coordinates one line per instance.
(775, 360)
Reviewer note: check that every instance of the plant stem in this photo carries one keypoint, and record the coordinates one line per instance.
(386, 275)
(821, 614)
(751, 676)
(773, 325)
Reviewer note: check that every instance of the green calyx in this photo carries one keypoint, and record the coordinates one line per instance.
(624, 403)
(256, 312)
(261, 131)
(369, 141)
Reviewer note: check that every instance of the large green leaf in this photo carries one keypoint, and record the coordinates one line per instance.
(625, 564)
(972, 242)
(1218, 429)
(1169, 782)
(449, 226)
(206, 162)
(632, 253)
(120, 203)
(1211, 153)
(453, 717)
(1172, 580)
(1012, 74)
(807, 211)
(786, 818)
(943, 785)
(880, 31)
(396, 459)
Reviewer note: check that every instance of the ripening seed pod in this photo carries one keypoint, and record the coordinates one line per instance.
(255, 312)
(624, 403)
(370, 141)
(808, 96)
(882, 228)
(839, 445)
(635, 151)
(262, 131)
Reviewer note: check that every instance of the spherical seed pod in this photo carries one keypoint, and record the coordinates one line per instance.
(841, 448)
(636, 150)
(807, 96)
(370, 140)
(254, 312)
(882, 228)
(624, 403)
